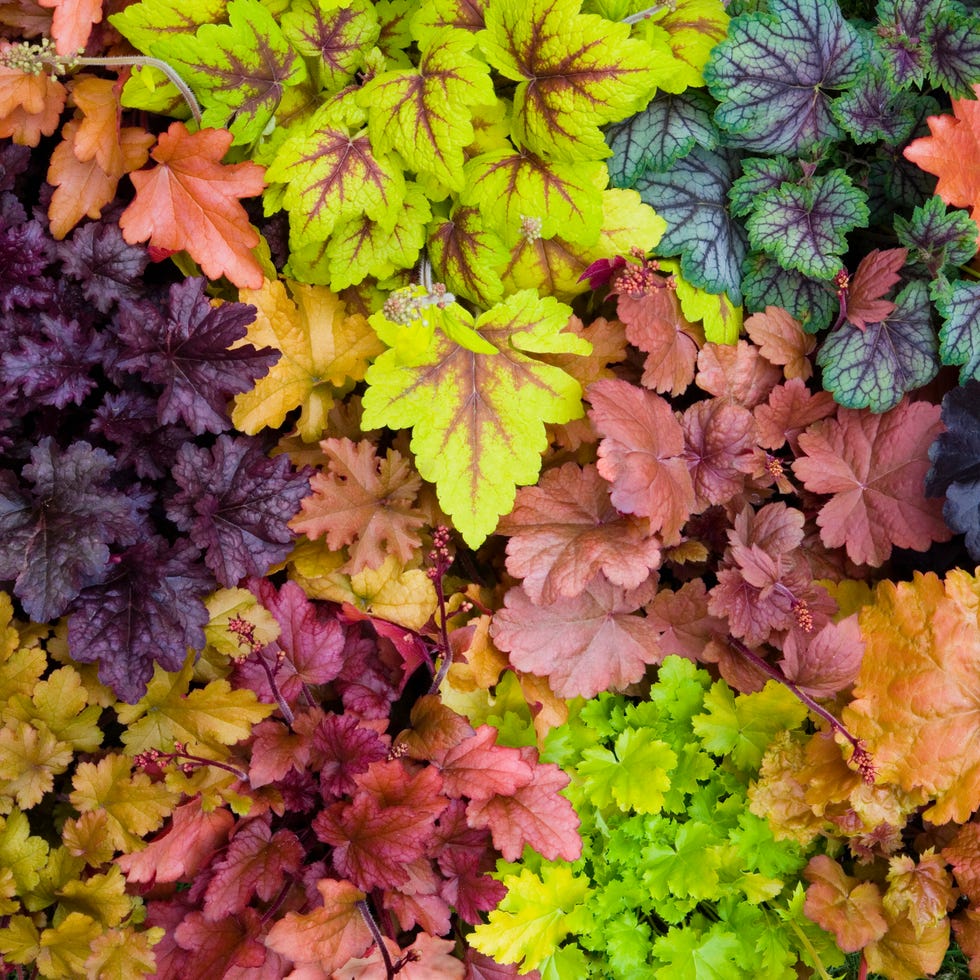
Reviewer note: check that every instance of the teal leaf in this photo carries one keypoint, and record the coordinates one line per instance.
(760, 174)
(668, 129)
(766, 283)
(874, 368)
(959, 338)
(953, 41)
(902, 24)
(894, 184)
(875, 110)
(936, 237)
(805, 225)
(692, 198)
(776, 73)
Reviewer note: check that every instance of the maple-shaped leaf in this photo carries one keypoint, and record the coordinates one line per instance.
(718, 439)
(535, 814)
(478, 418)
(186, 351)
(583, 644)
(909, 948)
(478, 768)
(766, 282)
(341, 748)
(423, 113)
(875, 467)
(936, 237)
(235, 503)
(385, 826)
(330, 934)
(565, 530)
(56, 536)
(682, 621)
(791, 409)
(824, 662)
(323, 349)
(775, 107)
(30, 757)
(190, 200)
(467, 256)
(959, 305)
(30, 104)
(875, 365)
(365, 502)
(574, 71)
(921, 890)
(875, 275)
(781, 340)
(737, 373)
(239, 69)
(922, 636)
(72, 23)
(109, 269)
(850, 909)
(642, 455)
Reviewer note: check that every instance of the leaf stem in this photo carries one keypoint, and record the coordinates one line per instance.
(362, 907)
(141, 61)
(442, 558)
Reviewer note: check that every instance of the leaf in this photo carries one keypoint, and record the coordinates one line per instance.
(825, 662)
(736, 373)
(718, 440)
(565, 530)
(921, 636)
(953, 46)
(692, 197)
(467, 256)
(921, 890)
(477, 448)
(427, 958)
(958, 344)
(876, 273)
(323, 349)
(190, 200)
(583, 645)
(145, 22)
(875, 467)
(642, 455)
(781, 340)
(791, 409)
(936, 237)
(30, 105)
(804, 225)
(849, 908)
(423, 114)
(774, 72)
(907, 953)
(72, 23)
(235, 503)
(574, 71)
(477, 767)
(765, 283)
(874, 367)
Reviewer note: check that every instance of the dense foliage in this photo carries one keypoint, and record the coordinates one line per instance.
(489, 489)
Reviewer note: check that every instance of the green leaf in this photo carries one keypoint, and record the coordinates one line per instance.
(959, 338)
(766, 283)
(423, 114)
(478, 419)
(691, 955)
(953, 42)
(686, 868)
(692, 197)
(936, 237)
(759, 175)
(336, 37)
(654, 139)
(574, 71)
(144, 23)
(805, 225)
(873, 368)
(239, 70)
(22, 852)
(775, 72)
(511, 187)
(875, 110)
(467, 257)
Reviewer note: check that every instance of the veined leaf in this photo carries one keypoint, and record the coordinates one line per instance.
(478, 419)
(239, 70)
(467, 256)
(689, 29)
(423, 113)
(144, 23)
(574, 73)
(959, 338)
(433, 16)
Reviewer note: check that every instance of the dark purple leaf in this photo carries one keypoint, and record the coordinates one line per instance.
(187, 352)
(235, 503)
(149, 610)
(108, 268)
(25, 253)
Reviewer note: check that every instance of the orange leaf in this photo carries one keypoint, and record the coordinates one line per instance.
(72, 23)
(952, 153)
(191, 201)
(98, 129)
(84, 188)
(30, 105)
(848, 908)
(782, 341)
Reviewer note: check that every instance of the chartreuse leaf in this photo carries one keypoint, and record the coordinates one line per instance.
(423, 113)
(805, 225)
(692, 197)
(24, 854)
(433, 16)
(635, 777)
(478, 419)
(574, 71)
(721, 319)
(689, 29)
(149, 21)
(959, 337)
(239, 70)
(873, 368)
(467, 256)
(535, 915)
(775, 73)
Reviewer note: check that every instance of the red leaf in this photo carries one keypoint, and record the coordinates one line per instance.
(824, 662)
(218, 947)
(875, 276)
(428, 958)
(342, 749)
(790, 409)
(536, 814)
(479, 768)
(583, 645)
(683, 621)
(641, 454)
(719, 440)
(738, 374)
(875, 468)
(565, 530)
(277, 749)
(481, 967)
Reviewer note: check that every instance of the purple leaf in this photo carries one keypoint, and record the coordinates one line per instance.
(25, 252)
(108, 268)
(235, 503)
(149, 610)
(187, 352)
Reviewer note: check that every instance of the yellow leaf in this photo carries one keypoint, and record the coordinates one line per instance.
(122, 954)
(62, 867)
(24, 854)
(102, 897)
(324, 351)
(60, 703)
(65, 948)
(85, 837)
(228, 604)
(30, 757)
(20, 940)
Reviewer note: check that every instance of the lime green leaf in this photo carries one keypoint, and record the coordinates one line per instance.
(698, 956)
(144, 23)
(722, 319)
(436, 15)
(467, 256)
(510, 187)
(337, 37)
(423, 113)
(238, 70)
(533, 918)
(574, 71)
(690, 28)
(333, 176)
(635, 777)
(743, 726)
(478, 419)
(24, 854)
